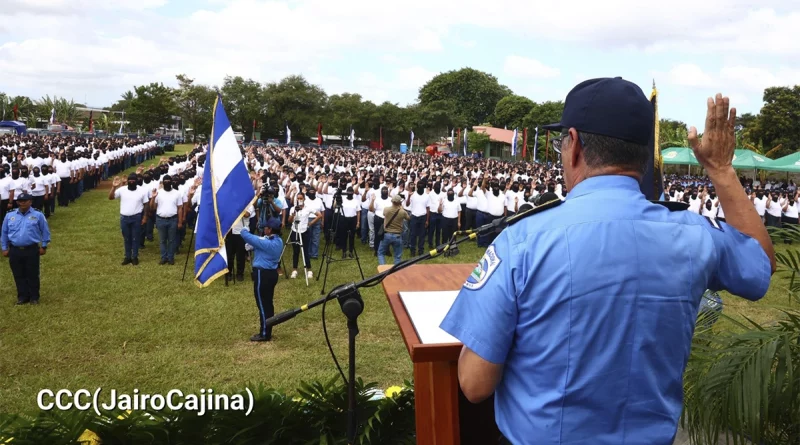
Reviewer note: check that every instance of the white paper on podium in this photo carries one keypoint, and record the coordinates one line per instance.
(426, 311)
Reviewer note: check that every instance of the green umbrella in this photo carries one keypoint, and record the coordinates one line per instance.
(748, 159)
(789, 163)
(679, 156)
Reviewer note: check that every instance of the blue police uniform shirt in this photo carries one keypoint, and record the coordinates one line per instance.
(591, 306)
(267, 249)
(24, 229)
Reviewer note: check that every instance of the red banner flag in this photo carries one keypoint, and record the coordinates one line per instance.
(15, 111)
(524, 142)
(458, 140)
(381, 135)
(91, 121)
(319, 133)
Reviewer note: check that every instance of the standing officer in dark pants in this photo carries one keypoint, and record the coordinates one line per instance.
(267, 254)
(24, 239)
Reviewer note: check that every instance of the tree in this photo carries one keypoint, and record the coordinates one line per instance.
(472, 94)
(511, 111)
(779, 120)
(195, 104)
(672, 133)
(343, 110)
(476, 142)
(296, 102)
(152, 107)
(243, 100)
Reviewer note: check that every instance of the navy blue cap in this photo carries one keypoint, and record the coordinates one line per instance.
(609, 107)
(273, 223)
(24, 197)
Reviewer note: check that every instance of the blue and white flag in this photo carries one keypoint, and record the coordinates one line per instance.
(514, 144)
(352, 136)
(535, 143)
(288, 135)
(412, 140)
(453, 136)
(53, 116)
(122, 122)
(465, 142)
(225, 195)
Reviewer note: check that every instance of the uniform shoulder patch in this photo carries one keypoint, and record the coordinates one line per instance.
(486, 266)
(714, 223)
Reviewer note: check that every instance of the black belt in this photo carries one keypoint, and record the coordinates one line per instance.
(261, 268)
(168, 217)
(30, 246)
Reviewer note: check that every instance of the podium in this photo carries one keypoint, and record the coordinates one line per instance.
(443, 415)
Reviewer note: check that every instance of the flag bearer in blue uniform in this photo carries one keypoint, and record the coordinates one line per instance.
(580, 318)
(24, 238)
(267, 255)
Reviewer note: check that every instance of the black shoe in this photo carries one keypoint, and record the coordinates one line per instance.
(162, 262)
(135, 261)
(171, 262)
(20, 303)
(126, 262)
(350, 255)
(344, 254)
(141, 246)
(239, 277)
(259, 337)
(34, 301)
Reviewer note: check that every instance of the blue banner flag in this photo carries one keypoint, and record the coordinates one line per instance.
(226, 193)
(535, 143)
(465, 142)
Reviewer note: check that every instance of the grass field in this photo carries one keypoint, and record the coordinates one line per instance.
(100, 324)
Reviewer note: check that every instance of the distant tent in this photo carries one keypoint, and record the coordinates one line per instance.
(18, 126)
(789, 163)
(748, 159)
(679, 156)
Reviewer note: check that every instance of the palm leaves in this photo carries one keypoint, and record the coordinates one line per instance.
(744, 383)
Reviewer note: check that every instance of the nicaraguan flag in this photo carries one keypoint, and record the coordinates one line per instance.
(288, 135)
(53, 116)
(465, 142)
(225, 195)
(535, 142)
(453, 135)
(412, 140)
(352, 136)
(514, 144)
(122, 122)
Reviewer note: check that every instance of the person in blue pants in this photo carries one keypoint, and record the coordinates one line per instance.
(267, 255)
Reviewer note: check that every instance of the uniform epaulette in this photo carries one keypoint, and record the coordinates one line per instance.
(538, 209)
(673, 206)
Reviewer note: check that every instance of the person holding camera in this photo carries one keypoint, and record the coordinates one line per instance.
(300, 217)
(269, 205)
(267, 254)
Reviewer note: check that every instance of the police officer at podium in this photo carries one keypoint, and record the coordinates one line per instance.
(591, 348)
(24, 238)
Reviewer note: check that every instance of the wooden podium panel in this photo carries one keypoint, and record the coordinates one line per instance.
(443, 415)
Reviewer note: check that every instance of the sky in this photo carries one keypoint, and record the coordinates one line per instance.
(92, 51)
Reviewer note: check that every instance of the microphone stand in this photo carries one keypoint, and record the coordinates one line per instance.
(352, 305)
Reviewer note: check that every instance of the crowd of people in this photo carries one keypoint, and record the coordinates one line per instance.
(342, 197)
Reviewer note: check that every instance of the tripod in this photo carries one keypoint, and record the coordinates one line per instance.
(299, 242)
(327, 258)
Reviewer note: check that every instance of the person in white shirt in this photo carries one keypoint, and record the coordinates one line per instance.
(348, 225)
(314, 205)
(54, 182)
(301, 216)
(418, 203)
(759, 200)
(434, 221)
(132, 202)
(6, 193)
(450, 209)
(165, 203)
(773, 210)
(41, 187)
(376, 206)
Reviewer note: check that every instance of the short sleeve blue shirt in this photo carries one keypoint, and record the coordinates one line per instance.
(591, 307)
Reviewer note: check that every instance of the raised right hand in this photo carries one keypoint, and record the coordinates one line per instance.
(715, 150)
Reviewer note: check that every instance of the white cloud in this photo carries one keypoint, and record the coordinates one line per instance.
(517, 66)
(690, 75)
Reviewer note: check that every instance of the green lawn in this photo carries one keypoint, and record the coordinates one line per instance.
(102, 324)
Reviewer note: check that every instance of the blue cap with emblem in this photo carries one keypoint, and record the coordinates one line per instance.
(610, 107)
(24, 197)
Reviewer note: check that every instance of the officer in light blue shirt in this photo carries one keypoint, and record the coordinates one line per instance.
(267, 255)
(580, 318)
(24, 238)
